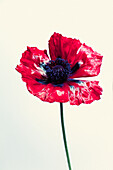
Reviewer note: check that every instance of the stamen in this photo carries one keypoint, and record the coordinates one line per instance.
(75, 67)
(57, 71)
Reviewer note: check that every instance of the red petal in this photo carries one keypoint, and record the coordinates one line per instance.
(30, 63)
(63, 47)
(73, 51)
(49, 92)
(89, 61)
(76, 93)
(84, 92)
(32, 57)
(28, 73)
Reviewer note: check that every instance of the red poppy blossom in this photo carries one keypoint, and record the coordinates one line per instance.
(55, 79)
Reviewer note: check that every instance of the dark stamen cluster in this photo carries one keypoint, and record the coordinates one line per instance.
(57, 71)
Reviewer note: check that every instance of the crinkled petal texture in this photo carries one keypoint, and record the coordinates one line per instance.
(89, 62)
(63, 47)
(49, 93)
(74, 52)
(75, 92)
(30, 64)
(83, 91)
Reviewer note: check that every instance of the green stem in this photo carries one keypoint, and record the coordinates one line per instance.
(64, 136)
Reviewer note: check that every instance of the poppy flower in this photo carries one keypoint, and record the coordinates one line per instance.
(54, 78)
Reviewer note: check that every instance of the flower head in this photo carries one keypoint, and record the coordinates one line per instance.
(55, 79)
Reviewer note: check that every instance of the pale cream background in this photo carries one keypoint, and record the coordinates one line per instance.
(30, 132)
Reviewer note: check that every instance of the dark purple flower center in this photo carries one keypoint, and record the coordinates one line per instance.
(57, 71)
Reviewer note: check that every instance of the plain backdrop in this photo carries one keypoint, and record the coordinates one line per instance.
(30, 131)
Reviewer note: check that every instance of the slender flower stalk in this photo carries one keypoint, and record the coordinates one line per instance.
(64, 136)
